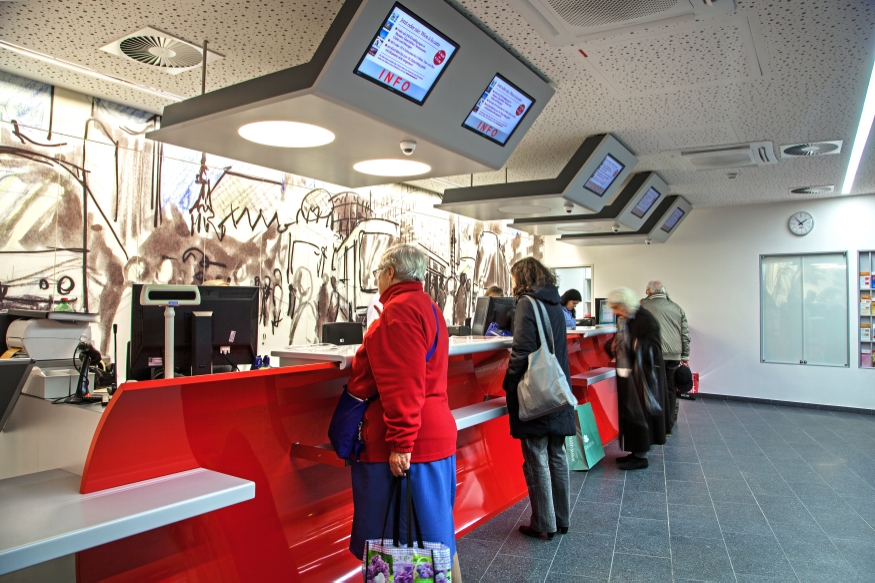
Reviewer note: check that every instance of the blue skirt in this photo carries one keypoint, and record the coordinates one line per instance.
(434, 494)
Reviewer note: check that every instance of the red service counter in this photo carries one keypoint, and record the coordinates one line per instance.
(248, 425)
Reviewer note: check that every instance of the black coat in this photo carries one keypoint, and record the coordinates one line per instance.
(526, 341)
(642, 396)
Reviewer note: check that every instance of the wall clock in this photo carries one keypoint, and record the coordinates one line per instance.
(801, 223)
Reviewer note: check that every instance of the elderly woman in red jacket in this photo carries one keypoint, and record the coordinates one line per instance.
(409, 428)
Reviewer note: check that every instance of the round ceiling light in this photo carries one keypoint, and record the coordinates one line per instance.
(392, 167)
(286, 134)
(524, 209)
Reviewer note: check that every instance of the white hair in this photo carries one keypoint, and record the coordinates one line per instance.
(623, 296)
(655, 287)
(409, 262)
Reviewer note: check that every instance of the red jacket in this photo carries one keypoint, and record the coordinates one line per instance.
(412, 413)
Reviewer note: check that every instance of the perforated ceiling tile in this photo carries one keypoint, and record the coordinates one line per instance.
(818, 56)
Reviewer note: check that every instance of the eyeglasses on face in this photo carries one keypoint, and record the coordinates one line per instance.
(378, 270)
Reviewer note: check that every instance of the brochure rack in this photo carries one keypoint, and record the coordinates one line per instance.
(866, 311)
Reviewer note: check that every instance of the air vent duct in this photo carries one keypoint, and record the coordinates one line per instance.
(812, 149)
(566, 22)
(730, 156)
(814, 189)
(159, 50)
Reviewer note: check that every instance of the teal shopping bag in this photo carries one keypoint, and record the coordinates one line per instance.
(584, 449)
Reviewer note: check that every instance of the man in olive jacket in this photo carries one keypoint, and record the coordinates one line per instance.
(675, 337)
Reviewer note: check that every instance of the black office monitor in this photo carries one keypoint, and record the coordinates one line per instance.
(488, 310)
(13, 375)
(233, 336)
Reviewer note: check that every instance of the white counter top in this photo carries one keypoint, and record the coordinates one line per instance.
(588, 331)
(343, 355)
(45, 516)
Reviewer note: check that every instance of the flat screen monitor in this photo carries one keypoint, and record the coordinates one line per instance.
(672, 220)
(488, 310)
(646, 203)
(604, 176)
(499, 111)
(234, 325)
(14, 373)
(604, 313)
(407, 55)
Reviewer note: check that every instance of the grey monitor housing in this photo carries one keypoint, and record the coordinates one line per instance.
(620, 216)
(662, 224)
(368, 119)
(544, 198)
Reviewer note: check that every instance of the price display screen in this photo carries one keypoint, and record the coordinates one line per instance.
(646, 203)
(604, 176)
(498, 112)
(672, 220)
(406, 56)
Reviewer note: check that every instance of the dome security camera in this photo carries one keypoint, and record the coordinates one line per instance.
(568, 207)
(615, 228)
(648, 241)
(407, 146)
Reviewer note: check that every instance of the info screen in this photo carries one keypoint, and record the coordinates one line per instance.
(604, 175)
(672, 220)
(646, 202)
(498, 112)
(407, 55)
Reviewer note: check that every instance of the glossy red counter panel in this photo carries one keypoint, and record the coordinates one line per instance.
(297, 527)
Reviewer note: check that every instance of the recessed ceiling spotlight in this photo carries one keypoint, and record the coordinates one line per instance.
(286, 134)
(392, 167)
(732, 175)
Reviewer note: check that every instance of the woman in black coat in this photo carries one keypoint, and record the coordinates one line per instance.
(641, 385)
(542, 439)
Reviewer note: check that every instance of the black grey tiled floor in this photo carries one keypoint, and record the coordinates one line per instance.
(741, 492)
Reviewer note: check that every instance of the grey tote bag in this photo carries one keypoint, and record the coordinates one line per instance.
(543, 388)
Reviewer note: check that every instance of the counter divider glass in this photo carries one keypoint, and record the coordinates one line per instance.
(247, 425)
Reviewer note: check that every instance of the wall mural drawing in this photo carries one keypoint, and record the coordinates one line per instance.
(89, 206)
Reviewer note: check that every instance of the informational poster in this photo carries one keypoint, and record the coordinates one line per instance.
(672, 220)
(407, 55)
(604, 176)
(646, 203)
(499, 111)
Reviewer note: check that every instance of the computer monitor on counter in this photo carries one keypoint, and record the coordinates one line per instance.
(489, 310)
(225, 324)
(604, 313)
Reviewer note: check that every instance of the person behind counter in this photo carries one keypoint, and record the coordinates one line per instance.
(494, 292)
(569, 301)
(409, 428)
(640, 378)
(542, 439)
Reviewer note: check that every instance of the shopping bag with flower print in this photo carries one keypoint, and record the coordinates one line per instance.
(388, 561)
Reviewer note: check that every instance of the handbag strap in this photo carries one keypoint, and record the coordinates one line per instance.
(537, 305)
(437, 326)
(414, 532)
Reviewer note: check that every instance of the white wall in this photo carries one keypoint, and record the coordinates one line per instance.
(710, 266)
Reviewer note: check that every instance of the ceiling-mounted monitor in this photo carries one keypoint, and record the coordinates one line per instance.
(662, 222)
(407, 55)
(601, 162)
(646, 203)
(604, 175)
(673, 219)
(636, 203)
(498, 111)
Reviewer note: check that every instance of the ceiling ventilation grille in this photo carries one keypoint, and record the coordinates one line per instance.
(812, 149)
(731, 156)
(582, 13)
(567, 22)
(159, 50)
(814, 189)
